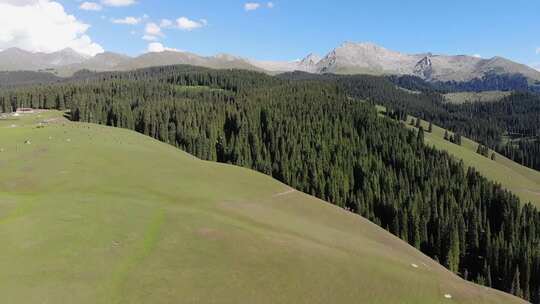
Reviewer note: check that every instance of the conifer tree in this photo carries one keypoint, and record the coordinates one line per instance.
(515, 288)
(420, 135)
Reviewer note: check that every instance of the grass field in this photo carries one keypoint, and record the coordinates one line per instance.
(91, 214)
(472, 97)
(196, 89)
(522, 181)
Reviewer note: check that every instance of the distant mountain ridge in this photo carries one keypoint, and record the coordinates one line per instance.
(67, 62)
(368, 58)
(348, 58)
(16, 59)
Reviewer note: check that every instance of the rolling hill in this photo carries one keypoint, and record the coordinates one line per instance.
(93, 214)
(21, 78)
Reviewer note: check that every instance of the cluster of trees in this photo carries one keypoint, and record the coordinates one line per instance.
(454, 138)
(525, 151)
(312, 135)
(483, 150)
(516, 116)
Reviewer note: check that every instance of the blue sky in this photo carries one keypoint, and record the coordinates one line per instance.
(290, 29)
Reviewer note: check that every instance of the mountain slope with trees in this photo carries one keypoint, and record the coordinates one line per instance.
(511, 126)
(520, 180)
(314, 137)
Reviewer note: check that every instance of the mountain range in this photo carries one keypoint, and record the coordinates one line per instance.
(349, 58)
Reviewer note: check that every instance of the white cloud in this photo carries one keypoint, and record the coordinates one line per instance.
(150, 38)
(153, 29)
(19, 2)
(251, 6)
(536, 66)
(156, 47)
(187, 24)
(90, 6)
(44, 26)
(477, 55)
(182, 23)
(127, 20)
(166, 23)
(117, 3)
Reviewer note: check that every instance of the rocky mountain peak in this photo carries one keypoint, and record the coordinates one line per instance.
(226, 57)
(365, 44)
(366, 47)
(65, 57)
(424, 67)
(311, 59)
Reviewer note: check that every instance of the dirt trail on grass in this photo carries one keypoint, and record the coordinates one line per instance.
(284, 193)
(533, 191)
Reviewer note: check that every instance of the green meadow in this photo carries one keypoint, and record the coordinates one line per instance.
(92, 214)
(472, 97)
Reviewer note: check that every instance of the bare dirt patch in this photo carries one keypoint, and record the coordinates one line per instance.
(284, 193)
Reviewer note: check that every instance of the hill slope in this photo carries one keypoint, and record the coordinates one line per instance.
(92, 214)
(522, 181)
(472, 97)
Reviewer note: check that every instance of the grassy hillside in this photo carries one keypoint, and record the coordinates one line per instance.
(487, 96)
(522, 181)
(91, 214)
